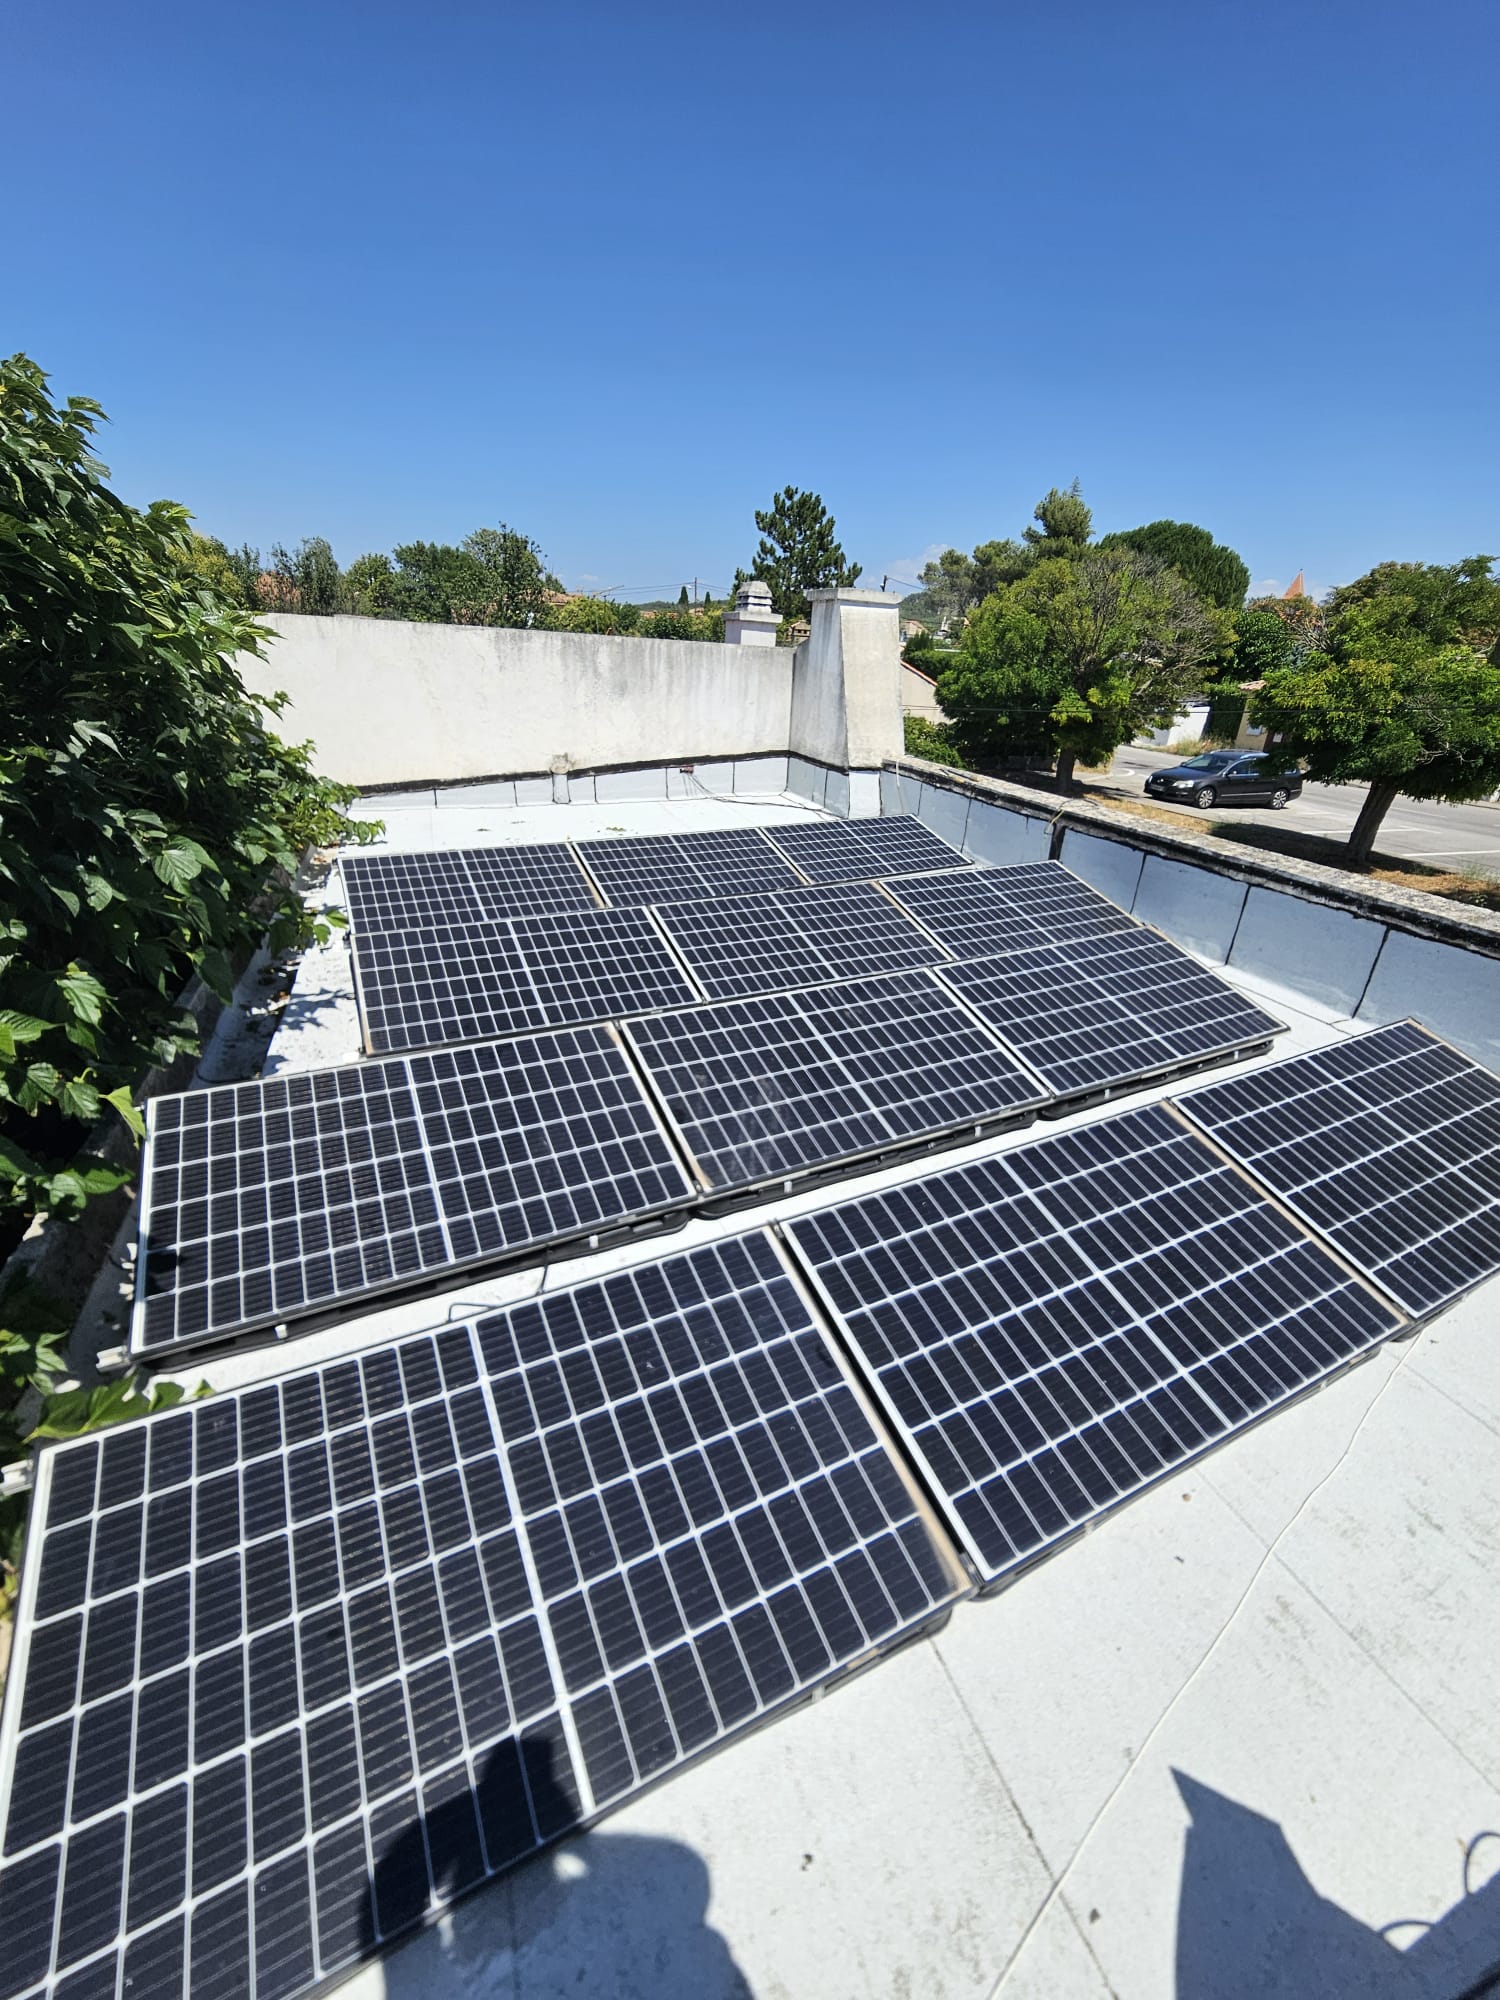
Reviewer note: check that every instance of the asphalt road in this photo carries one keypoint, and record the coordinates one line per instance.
(1457, 837)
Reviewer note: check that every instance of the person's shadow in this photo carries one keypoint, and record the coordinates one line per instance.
(608, 1914)
(1251, 1926)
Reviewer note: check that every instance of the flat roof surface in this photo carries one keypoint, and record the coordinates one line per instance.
(1239, 1740)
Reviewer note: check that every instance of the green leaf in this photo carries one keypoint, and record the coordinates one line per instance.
(72, 1412)
(80, 1100)
(84, 995)
(22, 1027)
(15, 1163)
(123, 1103)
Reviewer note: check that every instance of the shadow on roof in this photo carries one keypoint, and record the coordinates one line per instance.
(1251, 1926)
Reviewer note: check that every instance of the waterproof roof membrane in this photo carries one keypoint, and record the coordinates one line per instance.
(298, 1666)
(389, 892)
(856, 850)
(1388, 1144)
(1054, 1328)
(679, 867)
(1101, 1011)
(757, 944)
(266, 1201)
(777, 1084)
(469, 982)
(991, 910)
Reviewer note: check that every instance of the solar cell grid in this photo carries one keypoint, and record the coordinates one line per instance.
(669, 868)
(774, 1085)
(993, 910)
(297, 1666)
(1388, 1144)
(473, 982)
(755, 944)
(859, 850)
(1101, 1011)
(266, 1201)
(395, 892)
(1054, 1328)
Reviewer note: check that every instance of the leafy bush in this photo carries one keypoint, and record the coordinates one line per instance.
(150, 821)
(930, 740)
(682, 625)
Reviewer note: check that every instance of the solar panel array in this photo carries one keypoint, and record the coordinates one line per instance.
(677, 867)
(757, 944)
(469, 982)
(1388, 1144)
(266, 1201)
(297, 1666)
(1054, 1328)
(859, 850)
(987, 911)
(1109, 1009)
(392, 892)
(775, 1084)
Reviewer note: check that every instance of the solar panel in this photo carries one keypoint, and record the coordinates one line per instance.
(856, 850)
(1388, 1144)
(395, 892)
(1104, 1011)
(774, 1085)
(986, 911)
(678, 867)
(297, 1666)
(755, 944)
(471, 982)
(263, 1202)
(1056, 1327)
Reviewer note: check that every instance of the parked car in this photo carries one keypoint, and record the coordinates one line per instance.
(1239, 777)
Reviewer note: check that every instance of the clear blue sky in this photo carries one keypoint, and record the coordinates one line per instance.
(613, 273)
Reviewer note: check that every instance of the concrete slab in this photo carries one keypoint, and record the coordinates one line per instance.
(1460, 1355)
(1109, 865)
(1322, 1805)
(864, 794)
(947, 813)
(375, 805)
(1326, 953)
(1056, 1962)
(1372, 1549)
(758, 774)
(533, 791)
(836, 793)
(1143, 1607)
(1195, 907)
(899, 793)
(1455, 992)
(499, 792)
(1004, 838)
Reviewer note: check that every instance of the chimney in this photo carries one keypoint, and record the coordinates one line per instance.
(752, 621)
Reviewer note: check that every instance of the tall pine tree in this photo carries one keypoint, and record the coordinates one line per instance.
(798, 551)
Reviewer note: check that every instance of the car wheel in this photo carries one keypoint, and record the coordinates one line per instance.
(1207, 797)
(1279, 800)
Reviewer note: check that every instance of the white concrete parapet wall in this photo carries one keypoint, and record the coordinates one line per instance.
(391, 703)
(387, 703)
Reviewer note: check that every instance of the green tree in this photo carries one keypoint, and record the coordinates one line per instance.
(1404, 693)
(929, 739)
(584, 614)
(950, 585)
(1080, 655)
(208, 561)
(370, 587)
(1217, 574)
(513, 582)
(999, 563)
(305, 579)
(150, 822)
(799, 552)
(683, 600)
(1063, 524)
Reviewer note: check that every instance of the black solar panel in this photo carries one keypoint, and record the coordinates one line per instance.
(1102, 1011)
(679, 867)
(991, 910)
(755, 944)
(777, 1084)
(1388, 1144)
(856, 850)
(395, 892)
(1056, 1327)
(266, 1201)
(295, 1667)
(470, 982)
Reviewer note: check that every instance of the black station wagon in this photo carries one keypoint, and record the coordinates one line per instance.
(1229, 777)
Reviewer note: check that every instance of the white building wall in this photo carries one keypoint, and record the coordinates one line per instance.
(391, 703)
